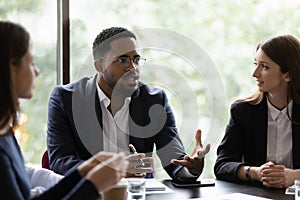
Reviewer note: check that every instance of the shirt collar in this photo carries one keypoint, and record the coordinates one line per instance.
(274, 112)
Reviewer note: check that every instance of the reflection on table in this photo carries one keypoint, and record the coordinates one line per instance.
(220, 188)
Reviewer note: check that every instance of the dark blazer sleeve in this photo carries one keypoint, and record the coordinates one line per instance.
(245, 140)
(10, 182)
(62, 142)
(15, 183)
(151, 109)
(229, 152)
(168, 143)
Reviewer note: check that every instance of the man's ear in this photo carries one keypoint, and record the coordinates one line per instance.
(98, 65)
(286, 77)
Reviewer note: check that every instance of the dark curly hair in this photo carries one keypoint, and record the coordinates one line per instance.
(101, 44)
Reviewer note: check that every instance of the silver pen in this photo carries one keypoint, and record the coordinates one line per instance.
(132, 148)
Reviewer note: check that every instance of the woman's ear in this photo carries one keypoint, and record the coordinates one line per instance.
(13, 70)
(286, 77)
(98, 65)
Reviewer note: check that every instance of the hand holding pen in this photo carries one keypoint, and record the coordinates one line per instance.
(132, 148)
(139, 165)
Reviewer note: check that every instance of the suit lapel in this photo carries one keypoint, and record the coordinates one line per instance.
(12, 150)
(87, 118)
(259, 124)
(260, 121)
(296, 135)
(136, 118)
(98, 110)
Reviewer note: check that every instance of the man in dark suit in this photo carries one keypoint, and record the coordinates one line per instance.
(113, 109)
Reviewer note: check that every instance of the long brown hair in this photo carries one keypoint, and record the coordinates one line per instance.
(14, 43)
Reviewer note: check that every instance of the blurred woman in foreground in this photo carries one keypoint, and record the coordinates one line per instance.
(17, 74)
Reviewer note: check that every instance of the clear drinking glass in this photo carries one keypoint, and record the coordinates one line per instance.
(136, 190)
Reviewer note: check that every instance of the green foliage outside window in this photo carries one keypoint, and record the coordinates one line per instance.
(227, 31)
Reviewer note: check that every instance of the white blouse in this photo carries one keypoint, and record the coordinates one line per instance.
(279, 138)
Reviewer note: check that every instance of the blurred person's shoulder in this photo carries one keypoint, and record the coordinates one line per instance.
(80, 85)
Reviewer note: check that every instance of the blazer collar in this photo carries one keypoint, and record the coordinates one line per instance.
(85, 114)
(260, 127)
(11, 148)
(136, 123)
(296, 135)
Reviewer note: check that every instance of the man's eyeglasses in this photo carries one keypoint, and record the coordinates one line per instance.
(124, 61)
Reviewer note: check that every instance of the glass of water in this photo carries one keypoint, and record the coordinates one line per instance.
(136, 190)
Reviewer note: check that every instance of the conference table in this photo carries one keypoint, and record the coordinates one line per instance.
(215, 192)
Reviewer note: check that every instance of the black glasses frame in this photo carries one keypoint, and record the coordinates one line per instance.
(124, 61)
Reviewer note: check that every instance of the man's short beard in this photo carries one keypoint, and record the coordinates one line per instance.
(126, 92)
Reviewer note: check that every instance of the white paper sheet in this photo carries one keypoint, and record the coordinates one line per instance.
(153, 185)
(235, 196)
